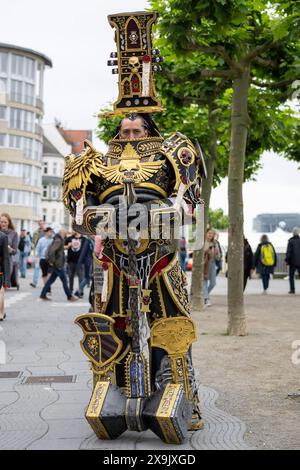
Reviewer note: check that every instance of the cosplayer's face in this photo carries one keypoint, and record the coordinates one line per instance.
(132, 129)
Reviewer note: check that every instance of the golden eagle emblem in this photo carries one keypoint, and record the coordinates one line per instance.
(130, 160)
(78, 171)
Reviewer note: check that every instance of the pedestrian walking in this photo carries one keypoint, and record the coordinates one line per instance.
(37, 234)
(292, 258)
(74, 244)
(219, 262)
(4, 271)
(24, 247)
(211, 255)
(86, 260)
(248, 261)
(183, 253)
(8, 228)
(41, 252)
(56, 260)
(265, 260)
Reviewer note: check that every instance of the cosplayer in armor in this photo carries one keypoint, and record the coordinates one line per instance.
(138, 337)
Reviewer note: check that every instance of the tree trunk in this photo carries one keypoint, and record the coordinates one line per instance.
(197, 300)
(239, 132)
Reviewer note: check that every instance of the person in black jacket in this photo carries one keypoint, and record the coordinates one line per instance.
(293, 258)
(248, 261)
(264, 266)
(4, 271)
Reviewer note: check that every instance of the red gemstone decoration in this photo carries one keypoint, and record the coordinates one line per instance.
(105, 266)
(184, 179)
(77, 195)
(146, 58)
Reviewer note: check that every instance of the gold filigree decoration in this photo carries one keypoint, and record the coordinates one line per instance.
(174, 335)
(178, 280)
(93, 345)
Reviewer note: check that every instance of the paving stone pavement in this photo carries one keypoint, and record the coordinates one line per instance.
(41, 339)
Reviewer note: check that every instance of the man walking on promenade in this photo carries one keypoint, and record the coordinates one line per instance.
(293, 258)
(24, 249)
(56, 260)
(39, 233)
(41, 252)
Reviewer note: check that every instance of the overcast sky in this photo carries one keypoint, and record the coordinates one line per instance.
(77, 37)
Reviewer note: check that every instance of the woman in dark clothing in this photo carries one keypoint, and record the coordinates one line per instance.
(248, 261)
(265, 260)
(4, 271)
(7, 227)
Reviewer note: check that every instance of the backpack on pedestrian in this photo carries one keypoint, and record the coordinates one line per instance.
(267, 255)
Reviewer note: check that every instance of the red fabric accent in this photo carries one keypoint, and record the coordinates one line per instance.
(106, 259)
(120, 323)
(160, 265)
(184, 179)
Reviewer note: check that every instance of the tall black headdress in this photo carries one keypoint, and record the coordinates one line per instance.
(136, 62)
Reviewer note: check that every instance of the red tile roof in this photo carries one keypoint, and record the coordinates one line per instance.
(75, 138)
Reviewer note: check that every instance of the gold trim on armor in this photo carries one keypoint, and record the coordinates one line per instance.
(164, 273)
(164, 413)
(111, 332)
(138, 185)
(94, 410)
(110, 280)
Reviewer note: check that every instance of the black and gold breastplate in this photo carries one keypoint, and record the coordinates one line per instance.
(143, 158)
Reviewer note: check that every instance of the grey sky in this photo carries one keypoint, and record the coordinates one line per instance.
(76, 35)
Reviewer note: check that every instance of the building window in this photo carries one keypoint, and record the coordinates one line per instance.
(54, 192)
(14, 169)
(53, 218)
(27, 174)
(2, 112)
(3, 61)
(54, 169)
(3, 83)
(16, 90)
(29, 94)
(27, 147)
(17, 62)
(38, 149)
(2, 195)
(45, 191)
(45, 168)
(2, 168)
(15, 118)
(29, 68)
(44, 216)
(2, 140)
(15, 141)
(28, 121)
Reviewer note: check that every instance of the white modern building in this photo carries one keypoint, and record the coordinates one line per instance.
(55, 149)
(21, 134)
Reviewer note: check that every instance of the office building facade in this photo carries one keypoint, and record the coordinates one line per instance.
(21, 134)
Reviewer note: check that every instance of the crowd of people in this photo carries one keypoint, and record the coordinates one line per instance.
(70, 257)
(52, 255)
(263, 261)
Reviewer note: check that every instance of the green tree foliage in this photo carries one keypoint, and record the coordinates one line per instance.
(252, 46)
(217, 219)
(230, 66)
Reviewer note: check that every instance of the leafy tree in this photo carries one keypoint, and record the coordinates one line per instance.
(254, 46)
(217, 219)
